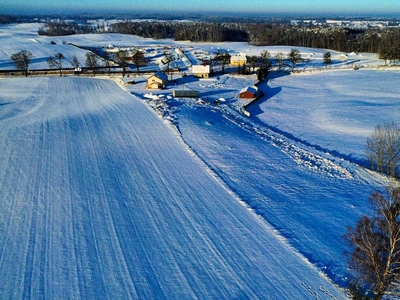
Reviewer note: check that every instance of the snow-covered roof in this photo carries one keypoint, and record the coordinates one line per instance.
(201, 69)
(160, 75)
(252, 89)
(239, 57)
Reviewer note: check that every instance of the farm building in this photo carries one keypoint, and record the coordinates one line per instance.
(157, 81)
(238, 60)
(249, 92)
(127, 55)
(185, 93)
(201, 71)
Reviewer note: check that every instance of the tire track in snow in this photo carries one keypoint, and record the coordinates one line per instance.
(119, 216)
(33, 225)
(210, 243)
(106, 197)
(313, 160)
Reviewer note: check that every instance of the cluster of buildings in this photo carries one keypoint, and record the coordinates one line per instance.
(159, 80)
(353, 24)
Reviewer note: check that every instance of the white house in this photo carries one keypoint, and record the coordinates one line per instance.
(202, 71)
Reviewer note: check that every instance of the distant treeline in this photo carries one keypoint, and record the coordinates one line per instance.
(385, 42)
(61, 28)
(189, 31)
(7, 19)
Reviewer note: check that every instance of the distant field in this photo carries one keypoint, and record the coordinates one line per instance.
(334, 110)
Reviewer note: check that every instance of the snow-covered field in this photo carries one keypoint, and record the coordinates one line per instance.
(104, 198)
(337, 110)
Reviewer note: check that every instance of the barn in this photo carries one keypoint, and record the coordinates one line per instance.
(249, 92)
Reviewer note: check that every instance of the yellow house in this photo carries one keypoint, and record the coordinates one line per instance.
(201, 71)
(238, 60)
(157, 81)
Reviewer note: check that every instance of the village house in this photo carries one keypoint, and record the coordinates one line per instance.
(157, 81)
(238, 60)
(201, 71)
(249, 92)
(127, 55)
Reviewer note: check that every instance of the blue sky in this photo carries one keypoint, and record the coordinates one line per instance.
(261, 6)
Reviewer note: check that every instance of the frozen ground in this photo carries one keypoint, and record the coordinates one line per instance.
(104, 198)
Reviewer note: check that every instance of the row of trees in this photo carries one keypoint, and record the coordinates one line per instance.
(265, 62)
(383, 149)
(23, 59)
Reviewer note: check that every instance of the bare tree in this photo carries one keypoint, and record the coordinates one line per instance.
(375, 149)
(92, 61)
(75, 62)
(253, 61)
(375, 246)
(139, 60)
(383, 149)
(22, 60)
(168, 59)
(223, 57)
(121, 58)
(279, 60)
(392, 138)
(56, 62)
(266, 59)
(107, 62)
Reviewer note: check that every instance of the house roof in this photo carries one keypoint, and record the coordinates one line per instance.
(201, 69)
(160, 75)
(240, 57)
(251, 89)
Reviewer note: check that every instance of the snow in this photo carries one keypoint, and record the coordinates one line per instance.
(113, 191)
(102, 200)
(340, 112)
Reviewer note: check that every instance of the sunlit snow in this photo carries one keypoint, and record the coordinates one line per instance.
(113, 191)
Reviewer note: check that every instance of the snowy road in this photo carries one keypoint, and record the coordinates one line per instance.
(100, 199)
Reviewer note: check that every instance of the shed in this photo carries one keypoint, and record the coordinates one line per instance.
(185, 93)
(249, 92)
(157, 81)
